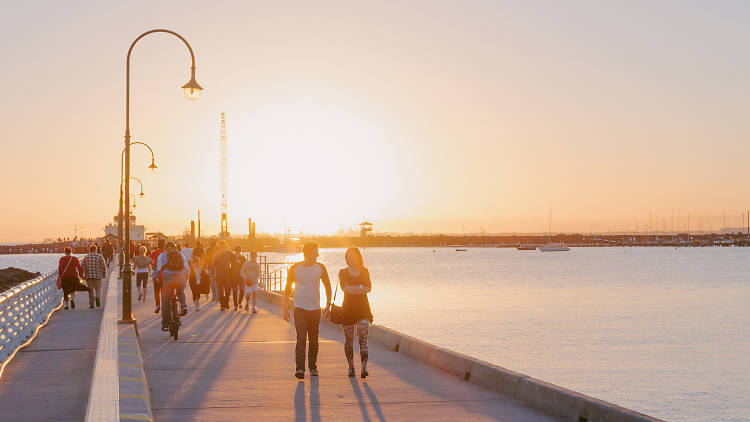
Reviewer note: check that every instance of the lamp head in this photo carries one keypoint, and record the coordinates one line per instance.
(141, 194)
(192, 89)
(152, 167)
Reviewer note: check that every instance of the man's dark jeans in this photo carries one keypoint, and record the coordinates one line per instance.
(225, 290)
(307, 324)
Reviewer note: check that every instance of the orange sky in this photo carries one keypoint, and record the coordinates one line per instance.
(426, 116)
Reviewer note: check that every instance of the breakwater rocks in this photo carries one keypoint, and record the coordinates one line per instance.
(10, 277)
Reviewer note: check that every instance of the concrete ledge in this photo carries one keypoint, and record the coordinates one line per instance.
(104, 405)
(119, 390)
(135, 402)
(556, 401)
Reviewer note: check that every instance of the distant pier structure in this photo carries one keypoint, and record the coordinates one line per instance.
(364, 227)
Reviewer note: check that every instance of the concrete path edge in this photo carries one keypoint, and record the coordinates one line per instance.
(119, 389)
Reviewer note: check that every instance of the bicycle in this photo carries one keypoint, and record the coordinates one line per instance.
(174, 317)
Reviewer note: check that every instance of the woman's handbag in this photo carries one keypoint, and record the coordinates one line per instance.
(336, 314)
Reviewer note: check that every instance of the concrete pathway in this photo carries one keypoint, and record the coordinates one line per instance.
(231, 366)
(49, 380)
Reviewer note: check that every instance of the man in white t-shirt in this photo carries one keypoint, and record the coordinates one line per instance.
(306, 276)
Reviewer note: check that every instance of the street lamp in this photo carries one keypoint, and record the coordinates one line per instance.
(153, 168)
(192, 90)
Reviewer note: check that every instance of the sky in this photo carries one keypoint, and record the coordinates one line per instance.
(420, 116)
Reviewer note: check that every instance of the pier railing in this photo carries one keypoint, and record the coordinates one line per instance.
(23, 309)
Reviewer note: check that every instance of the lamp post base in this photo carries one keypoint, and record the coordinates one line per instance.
(127, 320)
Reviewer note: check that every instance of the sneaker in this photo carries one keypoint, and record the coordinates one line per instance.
(246, 307)
(364, 373)
(72, 304)
(255, 311)
(351, 372)
(140, 296)
(163, 328)
(66, 305)
(300, 374)
(313, 372)
(183, 311)
(98, 303)
(158, 308)
(222, 309)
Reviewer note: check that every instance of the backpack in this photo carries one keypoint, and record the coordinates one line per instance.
(174, 261)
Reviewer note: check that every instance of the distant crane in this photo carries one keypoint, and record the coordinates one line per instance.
(223, 170)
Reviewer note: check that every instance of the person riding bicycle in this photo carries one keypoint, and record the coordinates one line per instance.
(173, 270)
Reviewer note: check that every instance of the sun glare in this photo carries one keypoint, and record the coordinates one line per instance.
(317, 166)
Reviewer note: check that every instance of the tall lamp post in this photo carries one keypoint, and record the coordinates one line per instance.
(153, 168)
(192, 90)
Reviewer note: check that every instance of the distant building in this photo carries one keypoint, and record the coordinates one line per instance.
(136, 232)
(364, 227)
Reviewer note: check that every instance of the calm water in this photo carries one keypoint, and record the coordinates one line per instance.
(658, 330)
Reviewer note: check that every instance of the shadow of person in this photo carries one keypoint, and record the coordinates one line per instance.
(374, 401)
(300, 412)
(314, 399)
(360, 400)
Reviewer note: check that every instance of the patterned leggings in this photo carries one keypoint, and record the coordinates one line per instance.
(363, 328)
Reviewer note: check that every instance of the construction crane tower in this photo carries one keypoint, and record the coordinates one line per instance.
(223, 170)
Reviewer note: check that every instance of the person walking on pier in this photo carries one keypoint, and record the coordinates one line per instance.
(306, 276)
(107, 251)
(222, 270)
(208, 262)
(154, 277)
(236, 282)
(355, 282)
(251, 273)
(142, 265)
(70, 272)
(94, 269)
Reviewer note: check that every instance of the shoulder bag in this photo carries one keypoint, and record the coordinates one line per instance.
(336, 315)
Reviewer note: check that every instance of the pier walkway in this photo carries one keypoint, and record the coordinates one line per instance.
(49, 380)
(231, 366)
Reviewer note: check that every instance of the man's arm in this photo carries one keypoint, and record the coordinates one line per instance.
(290, 278)
(327, 284)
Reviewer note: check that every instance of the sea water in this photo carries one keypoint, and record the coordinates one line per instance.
(662, 331)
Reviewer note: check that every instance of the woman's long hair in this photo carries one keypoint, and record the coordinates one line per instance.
(354, 258)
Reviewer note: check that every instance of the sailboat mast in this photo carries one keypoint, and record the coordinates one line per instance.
(549, 228)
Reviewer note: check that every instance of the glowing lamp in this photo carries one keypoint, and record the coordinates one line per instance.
(192, 89)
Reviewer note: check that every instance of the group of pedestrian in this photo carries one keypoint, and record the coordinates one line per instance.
(304, 278)
(71, 271)
(221, 273)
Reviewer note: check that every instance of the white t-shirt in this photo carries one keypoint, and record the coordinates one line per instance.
(187, 253)
(307, 286)
(250, 272)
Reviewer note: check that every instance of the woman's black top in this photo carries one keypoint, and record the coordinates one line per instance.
(356, 307)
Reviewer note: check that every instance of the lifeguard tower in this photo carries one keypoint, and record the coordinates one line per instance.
(364, 228)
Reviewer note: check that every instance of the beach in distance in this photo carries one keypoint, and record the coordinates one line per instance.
(660, 330)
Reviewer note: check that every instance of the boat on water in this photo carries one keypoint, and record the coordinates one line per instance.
(552, 247)
(526, 247)
(461, 250)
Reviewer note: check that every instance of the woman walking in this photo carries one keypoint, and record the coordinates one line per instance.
(70, 272)
(142, 266)
(198, 279)
(355, 282)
